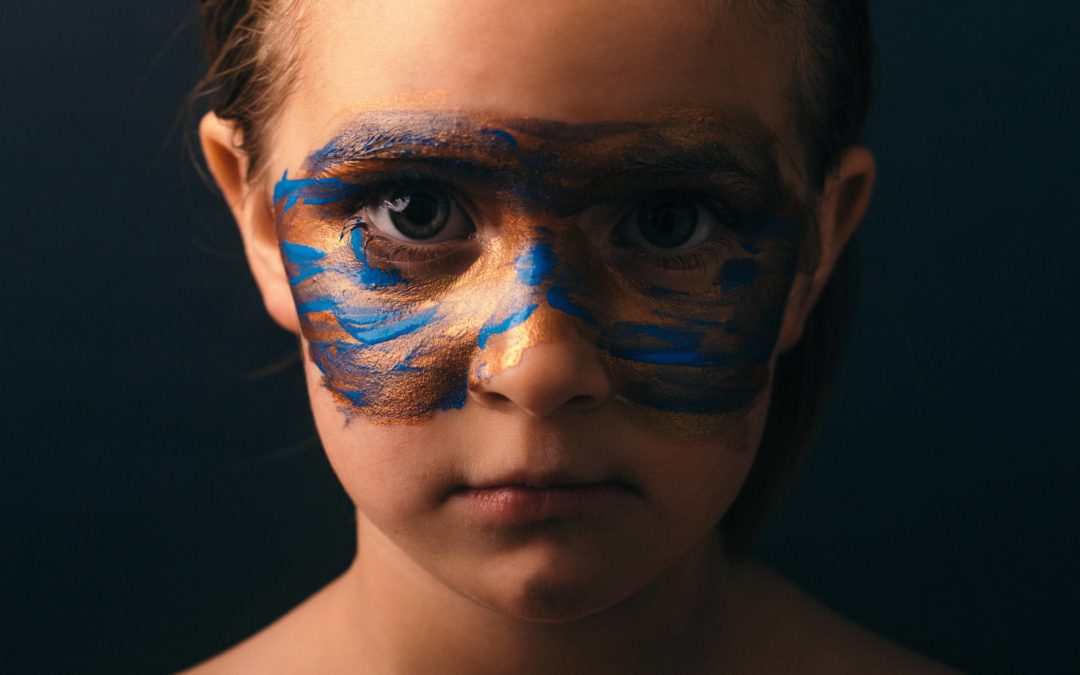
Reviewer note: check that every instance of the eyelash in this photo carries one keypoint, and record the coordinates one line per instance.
(382, 248)
(702, 256)
(720, 245)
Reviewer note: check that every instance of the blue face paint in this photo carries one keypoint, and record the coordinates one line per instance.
(498, 326)
(316, 191)
(535, 263)
(397, 341)
(738, 272)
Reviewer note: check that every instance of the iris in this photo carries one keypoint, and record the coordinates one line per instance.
(667, 223)
(418, 213)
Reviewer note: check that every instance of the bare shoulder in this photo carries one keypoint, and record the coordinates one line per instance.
(782, 629)
(295, 643)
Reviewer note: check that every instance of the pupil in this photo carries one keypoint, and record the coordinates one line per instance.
(668, 224)
(419, 214)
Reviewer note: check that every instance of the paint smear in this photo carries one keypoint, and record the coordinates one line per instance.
(397, 343)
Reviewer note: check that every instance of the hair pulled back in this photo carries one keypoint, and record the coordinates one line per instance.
(251, 48)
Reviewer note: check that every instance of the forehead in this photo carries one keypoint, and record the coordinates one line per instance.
(571, 60)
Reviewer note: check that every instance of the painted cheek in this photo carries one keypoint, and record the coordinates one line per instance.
(397, 353)
(393, 350)
(700, 353)
(397, 350)
(386, 347)
(676, 353)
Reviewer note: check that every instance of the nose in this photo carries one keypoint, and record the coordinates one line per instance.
(541, 367)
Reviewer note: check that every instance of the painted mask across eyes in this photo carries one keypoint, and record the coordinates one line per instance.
(430, 250)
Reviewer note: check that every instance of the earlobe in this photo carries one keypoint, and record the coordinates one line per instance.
(250, 207)
(842, 206)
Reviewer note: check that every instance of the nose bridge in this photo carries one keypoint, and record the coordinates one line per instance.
(535, 263)
(525, 317)
(535, 355)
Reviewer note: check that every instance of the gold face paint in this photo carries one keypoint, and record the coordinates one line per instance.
(401, 329)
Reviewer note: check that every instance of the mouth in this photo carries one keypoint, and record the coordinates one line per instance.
(524, 501)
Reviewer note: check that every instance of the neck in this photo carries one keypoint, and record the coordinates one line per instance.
(410, 621)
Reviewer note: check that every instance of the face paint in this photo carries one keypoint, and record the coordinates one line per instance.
(683, 335)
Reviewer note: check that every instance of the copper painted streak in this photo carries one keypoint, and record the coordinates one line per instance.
(396, 343)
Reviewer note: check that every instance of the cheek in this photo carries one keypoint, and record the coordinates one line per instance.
(377, 464)
(695, 482)
(385, 347)
(398, 350)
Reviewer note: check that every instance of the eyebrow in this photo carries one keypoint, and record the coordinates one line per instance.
(664, 143)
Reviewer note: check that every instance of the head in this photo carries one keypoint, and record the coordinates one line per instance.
(549, 244)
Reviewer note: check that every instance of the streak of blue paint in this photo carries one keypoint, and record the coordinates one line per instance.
(365, 315)
(455, 398)
(657, 345)
(677, 338)
(304, 258)
(527, 192)
(535, 263)
(558, 297)
(372, 277)
(494, 328)
(320, 304)
(360, 143)
(393, 136)
(662, 358)
(336, 361)
(389, 329)
(504, 136)
(750, 247)
(739, 272)
(299, 253)
(678, 357)
(318, 191)
(405, 365)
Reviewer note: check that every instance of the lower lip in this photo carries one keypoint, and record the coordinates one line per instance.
(522, 504)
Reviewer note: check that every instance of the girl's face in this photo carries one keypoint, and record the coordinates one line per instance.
(542, 257)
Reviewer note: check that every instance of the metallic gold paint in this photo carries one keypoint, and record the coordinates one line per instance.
(397, 342)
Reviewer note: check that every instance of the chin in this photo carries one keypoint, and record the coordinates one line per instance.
(545, 601)
(546, 587)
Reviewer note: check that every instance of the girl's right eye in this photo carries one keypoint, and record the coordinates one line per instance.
(418, 215)
(668, 225)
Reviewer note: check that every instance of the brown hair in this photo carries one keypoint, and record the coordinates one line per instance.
(832, 98)
(253, 64)
(253, 67)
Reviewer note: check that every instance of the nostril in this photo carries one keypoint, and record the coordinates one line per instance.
(491, 398)
(548, 376)
(581, 401)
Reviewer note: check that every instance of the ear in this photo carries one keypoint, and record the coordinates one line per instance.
(252, 210)
(842, 206)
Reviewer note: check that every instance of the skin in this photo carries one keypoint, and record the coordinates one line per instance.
(435, 588)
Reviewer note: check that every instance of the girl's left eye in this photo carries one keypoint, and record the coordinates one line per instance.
(418, 215)
(667, 225)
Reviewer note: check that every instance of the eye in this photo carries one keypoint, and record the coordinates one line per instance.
(667, 224)
(419, 214)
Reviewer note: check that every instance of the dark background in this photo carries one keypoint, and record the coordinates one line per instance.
(163, 494)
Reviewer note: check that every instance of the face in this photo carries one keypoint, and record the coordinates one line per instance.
(542, 256)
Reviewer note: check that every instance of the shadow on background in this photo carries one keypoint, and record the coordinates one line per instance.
(164, 494)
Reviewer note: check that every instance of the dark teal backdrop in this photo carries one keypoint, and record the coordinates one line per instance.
(163, 494)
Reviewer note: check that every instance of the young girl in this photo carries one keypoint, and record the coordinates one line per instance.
(560, 273)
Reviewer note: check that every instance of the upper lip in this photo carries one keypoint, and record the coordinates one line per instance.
(542, 481)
